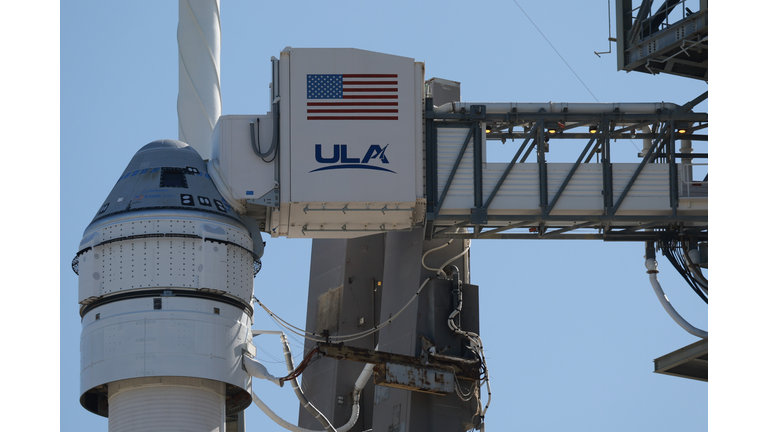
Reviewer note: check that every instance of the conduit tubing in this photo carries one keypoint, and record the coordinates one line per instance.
(299, 393)
(362, 379)
(258, 370)
(651, 265)
(276, 418)
(559, 107)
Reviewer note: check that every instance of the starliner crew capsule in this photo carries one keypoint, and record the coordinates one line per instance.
(166, 273)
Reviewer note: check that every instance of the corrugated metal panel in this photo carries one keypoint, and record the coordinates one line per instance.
(449, 142)
(167, 408)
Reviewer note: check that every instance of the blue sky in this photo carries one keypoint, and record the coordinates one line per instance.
(570, 328)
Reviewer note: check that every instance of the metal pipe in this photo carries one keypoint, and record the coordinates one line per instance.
(647, 142)
(559, 107)
(686, 148)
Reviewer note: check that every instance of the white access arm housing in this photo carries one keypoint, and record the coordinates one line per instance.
(351, 156)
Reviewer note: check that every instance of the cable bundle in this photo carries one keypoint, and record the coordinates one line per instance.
(677, 254)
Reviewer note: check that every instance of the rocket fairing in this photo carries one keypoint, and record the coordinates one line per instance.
(166, 273)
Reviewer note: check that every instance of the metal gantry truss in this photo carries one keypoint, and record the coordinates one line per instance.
(537, 130)
(671, 38)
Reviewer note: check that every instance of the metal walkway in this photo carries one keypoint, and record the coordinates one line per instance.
(592, 198)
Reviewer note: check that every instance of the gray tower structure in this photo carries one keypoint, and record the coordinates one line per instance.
(361, 282)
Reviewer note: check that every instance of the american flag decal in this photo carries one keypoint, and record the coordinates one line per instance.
(352, 97)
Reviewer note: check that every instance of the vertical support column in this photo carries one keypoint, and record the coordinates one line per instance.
(478, 215)
(623, 25)
(607, 168)
(673, 189)
(395, 260)
(344, 297)
(430, 165)
(398, 409)
(477, 164)
(343, 288)
(543, 195)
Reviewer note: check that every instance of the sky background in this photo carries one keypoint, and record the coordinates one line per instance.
(570, 328)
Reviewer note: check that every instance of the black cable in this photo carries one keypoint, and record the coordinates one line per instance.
(256, 141)
(680, 254)
(672, 250)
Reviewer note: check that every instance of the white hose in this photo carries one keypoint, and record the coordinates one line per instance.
(651, 265)
(344, 338)
(276, 418)
(429, 252)
(292, 427)
(299, 393)
(362, 379)
(359, 386)
(439, 270)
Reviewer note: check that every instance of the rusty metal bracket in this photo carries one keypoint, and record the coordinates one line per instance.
(414, 378)
(462, 368)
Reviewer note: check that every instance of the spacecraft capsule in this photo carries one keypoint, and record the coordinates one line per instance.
(165, 285)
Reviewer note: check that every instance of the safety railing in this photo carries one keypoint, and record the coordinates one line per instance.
(689, 186)
(669, 13)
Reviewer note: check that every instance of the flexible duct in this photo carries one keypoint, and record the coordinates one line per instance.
(299, 393)
(258, 370)
(276, 418)
(362, 379)
(651, 265)
(292, 427)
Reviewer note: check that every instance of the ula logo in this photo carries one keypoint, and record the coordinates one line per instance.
(340, 159)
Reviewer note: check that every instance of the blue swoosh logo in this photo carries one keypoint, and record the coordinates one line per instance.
(353, 166)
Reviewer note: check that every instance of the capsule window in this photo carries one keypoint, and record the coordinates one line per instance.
(173, 177)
